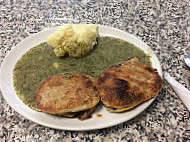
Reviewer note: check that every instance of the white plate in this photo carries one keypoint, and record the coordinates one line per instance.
(107, 120)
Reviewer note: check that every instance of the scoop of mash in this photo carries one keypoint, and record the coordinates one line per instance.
(75, 40)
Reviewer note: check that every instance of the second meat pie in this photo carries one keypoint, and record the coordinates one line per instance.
(127, 84)
(71, 95)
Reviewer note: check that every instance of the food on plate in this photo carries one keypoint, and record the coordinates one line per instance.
(68, 95)
(74, 40)
(40, 62)
(127, 84)
(66, 86)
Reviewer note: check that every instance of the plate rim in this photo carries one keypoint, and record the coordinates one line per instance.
(2, 85)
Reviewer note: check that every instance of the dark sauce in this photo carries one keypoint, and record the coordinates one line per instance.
(99, 115)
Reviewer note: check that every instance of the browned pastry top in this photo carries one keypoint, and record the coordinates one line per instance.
(61, 94)
(127, 84)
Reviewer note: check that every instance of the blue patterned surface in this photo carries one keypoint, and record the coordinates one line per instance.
(163, 25)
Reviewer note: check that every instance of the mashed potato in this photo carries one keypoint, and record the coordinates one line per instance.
(74, 40)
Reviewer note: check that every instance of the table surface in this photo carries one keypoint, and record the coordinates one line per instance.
(163, 25)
